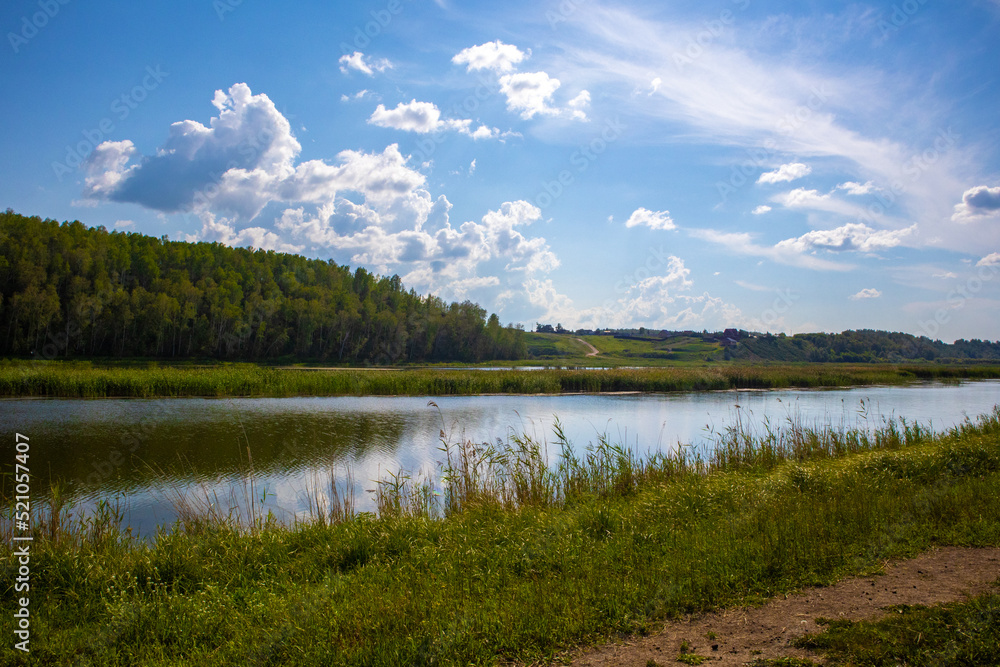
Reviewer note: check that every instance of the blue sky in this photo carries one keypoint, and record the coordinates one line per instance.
(810, 166)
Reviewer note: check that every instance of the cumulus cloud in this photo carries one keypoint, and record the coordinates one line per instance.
(435, 253)
(425, 117)
(529, 93)
(664, 300)
(239, 157)
(244, 160)
(362, 63)
(854, 236)
(495, 56)
(978, 203)
(786, 173)
(857, 189)
(368, 208)
(761, 210)
(651, 219)
(869, 293)
(993, 259)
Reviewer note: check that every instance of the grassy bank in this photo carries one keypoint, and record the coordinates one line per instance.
(509, 559)
(87, 380)
(964, 633)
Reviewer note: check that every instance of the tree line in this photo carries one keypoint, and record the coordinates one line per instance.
(68, 290)
(864, 345)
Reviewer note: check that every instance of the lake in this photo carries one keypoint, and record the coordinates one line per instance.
(149, 451)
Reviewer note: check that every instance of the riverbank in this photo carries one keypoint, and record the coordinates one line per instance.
(94, 380)
(512, 560)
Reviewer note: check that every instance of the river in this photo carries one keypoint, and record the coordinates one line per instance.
(146, 453)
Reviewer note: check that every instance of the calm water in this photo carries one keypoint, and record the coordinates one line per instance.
(147, 451)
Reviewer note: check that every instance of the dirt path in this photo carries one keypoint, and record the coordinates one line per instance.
(744, 635)
(593, 350)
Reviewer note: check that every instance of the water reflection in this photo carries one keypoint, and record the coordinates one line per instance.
(152, 451)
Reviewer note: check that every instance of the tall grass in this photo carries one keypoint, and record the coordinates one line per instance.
(511, 555)
(87, 380)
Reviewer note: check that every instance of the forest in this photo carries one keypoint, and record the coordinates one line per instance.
(68, 290)
(862, 346)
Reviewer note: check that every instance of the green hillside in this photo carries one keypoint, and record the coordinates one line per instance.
(67, 290)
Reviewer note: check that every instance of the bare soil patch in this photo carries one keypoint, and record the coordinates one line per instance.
(746, 634)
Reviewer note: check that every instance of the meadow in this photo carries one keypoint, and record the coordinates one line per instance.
(504, 558)
(86, 379)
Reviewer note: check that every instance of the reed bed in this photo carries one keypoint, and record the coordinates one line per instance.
(89, 380)
(508, 556)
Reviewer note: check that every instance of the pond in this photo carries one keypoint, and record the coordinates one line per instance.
(149, 453)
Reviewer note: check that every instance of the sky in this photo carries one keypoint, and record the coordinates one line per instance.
(771, 166)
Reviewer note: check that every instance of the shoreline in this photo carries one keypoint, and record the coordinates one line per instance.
(84, 380)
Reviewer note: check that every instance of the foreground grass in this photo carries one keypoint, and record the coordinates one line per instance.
(86, 380)
(965, 633)
(510, 560)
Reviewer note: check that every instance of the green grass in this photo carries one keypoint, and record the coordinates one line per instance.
(565, 349)
(964, 633)
(510, 559)
(92, 380)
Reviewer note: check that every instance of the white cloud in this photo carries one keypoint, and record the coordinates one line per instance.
(651, 219)
(362, 63)
(773, 102)
(945, 275)
(122, 224)
(660, 301)
(857, 189)
(786, 173)
(761, 210)
(850, 237)
(993, 259)
(742, 243)
(529, 93)
(237, 161)
(363, 208)
(360, 95)
(425, 117)
(978, 203)
(579, 104)
(800, 198)
(654, 85)
(495, 56)
(869, 293)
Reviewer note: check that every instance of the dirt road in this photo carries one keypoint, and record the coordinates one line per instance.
(741, 636)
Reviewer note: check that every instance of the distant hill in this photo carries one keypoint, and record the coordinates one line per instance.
(659, 347)
(67, 290)
(865, 345)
